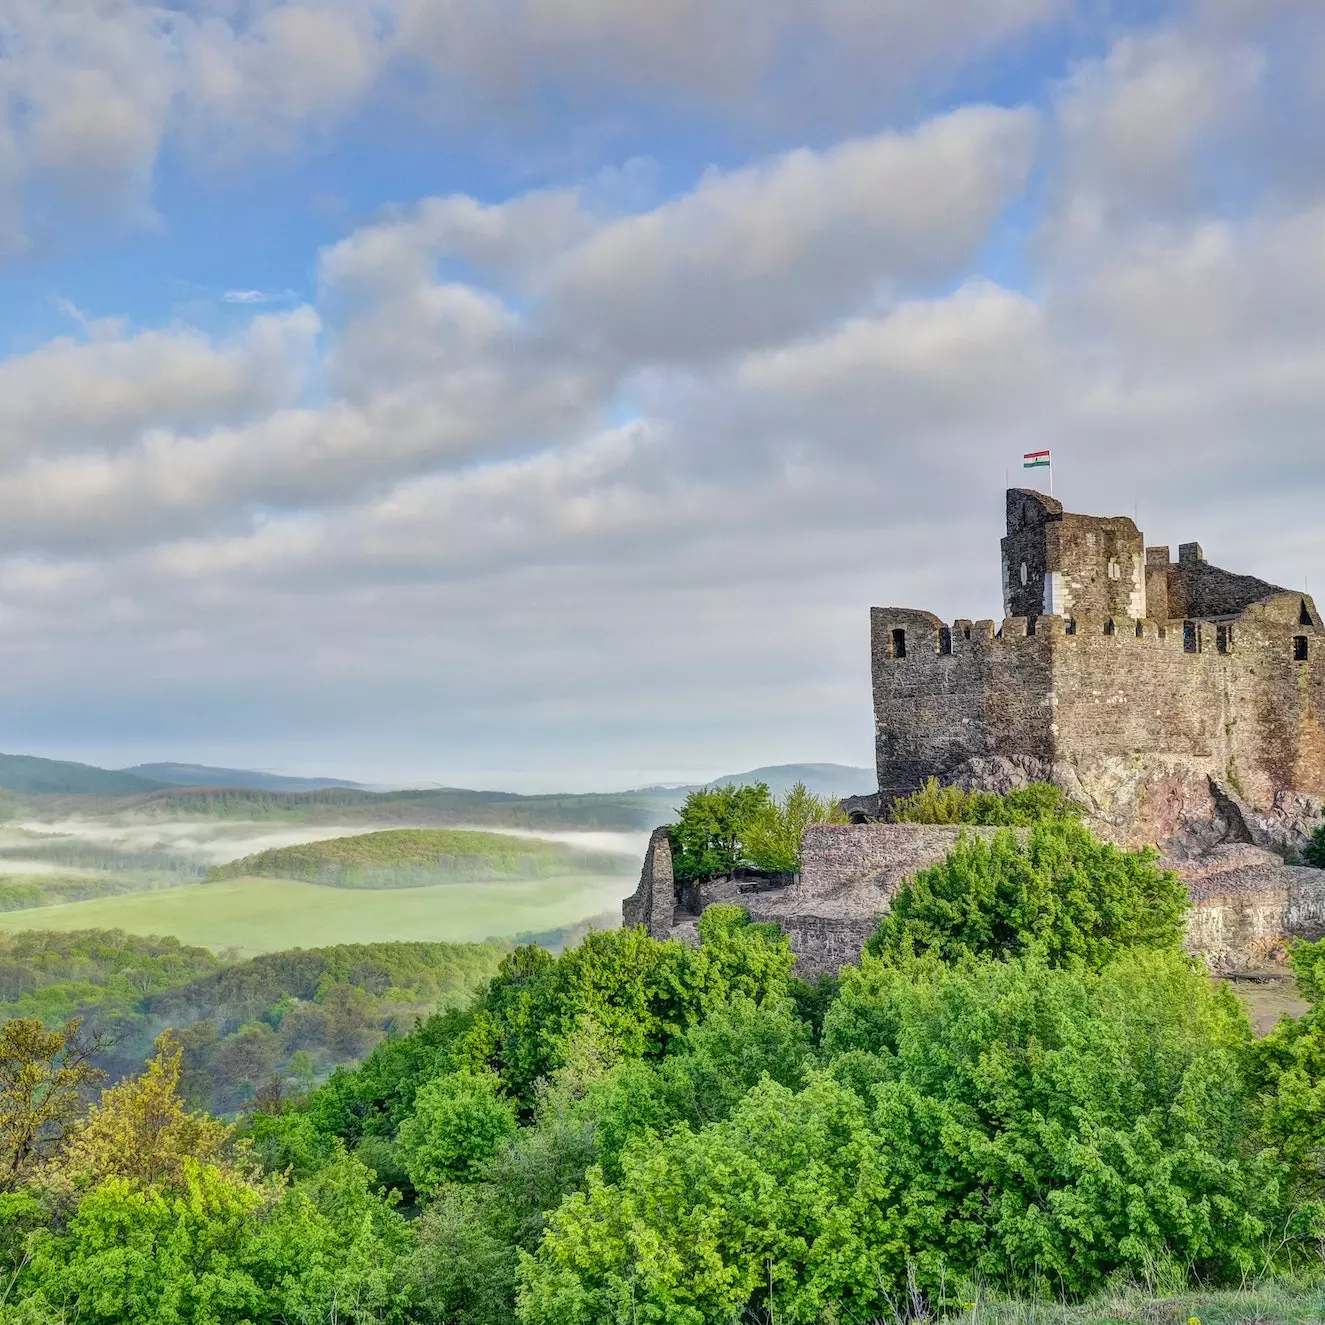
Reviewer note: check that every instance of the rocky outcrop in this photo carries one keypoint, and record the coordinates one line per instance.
(1138, 799)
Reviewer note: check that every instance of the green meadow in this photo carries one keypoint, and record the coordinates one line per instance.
(255, 915)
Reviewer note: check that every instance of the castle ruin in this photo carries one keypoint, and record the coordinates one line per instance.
(1132, 680)
(1179, 704)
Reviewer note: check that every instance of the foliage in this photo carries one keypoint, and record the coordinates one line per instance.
(772, 839)
(1008, 1121)
(242, 1026)
(214, 1250)
(457, 1123)
(1077, 900)
(419, 857)
(708, 838)
(1037, 802)
(141, 1132)
(44, 1076)
(1314, 851)
(639, 992)
(1029, 1090)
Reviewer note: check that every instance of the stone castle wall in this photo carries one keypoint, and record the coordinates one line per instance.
(1246, 904)
(1242, 708)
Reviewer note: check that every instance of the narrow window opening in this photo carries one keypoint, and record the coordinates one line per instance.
(1304, 616)
(966, 632)
(1191, 637)
(1030, 624)
(1024, 574)
(1224, 638)
(1071, 627)
(1115, 570)
(945, 640)
(899, 643)
(1110, 628)
(1299, 648)
(1140, 630)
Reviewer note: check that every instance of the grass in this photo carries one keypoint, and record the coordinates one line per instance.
(1277, 1302)
(416, 857)
(267, 915)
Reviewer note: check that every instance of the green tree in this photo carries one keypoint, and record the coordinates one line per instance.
(772, 839)
(1037, 1128)
(212, 1249)
(1078, 900)
(141, 1131)
(457, 1124)
(639, 993)
(1314, 851)
(708, 839)
(44, 1078)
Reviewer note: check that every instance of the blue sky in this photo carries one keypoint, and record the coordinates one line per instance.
(539, 395)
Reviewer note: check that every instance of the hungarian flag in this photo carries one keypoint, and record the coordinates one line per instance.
(1035, 460)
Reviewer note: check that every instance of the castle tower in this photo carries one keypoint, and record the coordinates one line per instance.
(1059, 564)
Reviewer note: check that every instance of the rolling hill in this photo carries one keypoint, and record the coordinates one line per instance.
(421, 857)
(30, 775)
(203, 775)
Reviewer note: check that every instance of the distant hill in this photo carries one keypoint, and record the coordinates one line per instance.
(203, 775)
(822, 779)
(420, 857)
(31, 776)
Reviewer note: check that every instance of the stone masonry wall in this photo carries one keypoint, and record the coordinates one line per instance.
(1246, 905)
(1250, 715)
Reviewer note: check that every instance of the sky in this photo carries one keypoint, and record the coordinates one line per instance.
(538, 393)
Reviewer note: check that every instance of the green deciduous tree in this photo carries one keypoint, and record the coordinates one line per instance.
(458, 1122)
(772, 839)
(1078, 900)
(640, 993)
(212, 1249)
(708, 838)
(45, 1076)
(1038, 1128)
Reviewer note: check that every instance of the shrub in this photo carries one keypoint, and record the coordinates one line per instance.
(640, 993)
(1078, 900)
(1032, 1127)
(1037, 802)
(1314, 851)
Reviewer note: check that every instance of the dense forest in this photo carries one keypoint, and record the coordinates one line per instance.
(1023, 1087)
(419, 857)
(275, 1023)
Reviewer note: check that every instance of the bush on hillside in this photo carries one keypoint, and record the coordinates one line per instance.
(640, 993)
(1026, 1126)
(1314, 851)
(1037, 802)
(1077, 900)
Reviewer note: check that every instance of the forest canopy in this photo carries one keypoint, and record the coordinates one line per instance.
(1035, 1094)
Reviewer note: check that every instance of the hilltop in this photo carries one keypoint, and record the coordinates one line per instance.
(420, 857)
(204, 775)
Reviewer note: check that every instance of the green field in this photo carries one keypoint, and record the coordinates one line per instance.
(266, 915)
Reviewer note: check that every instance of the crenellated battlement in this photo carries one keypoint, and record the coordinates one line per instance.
(1227, 675)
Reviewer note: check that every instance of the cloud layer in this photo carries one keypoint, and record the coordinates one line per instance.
(554, 487)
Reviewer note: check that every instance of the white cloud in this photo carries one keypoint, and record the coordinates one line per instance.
(91, 91)
(617, 479)
(106, 391)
